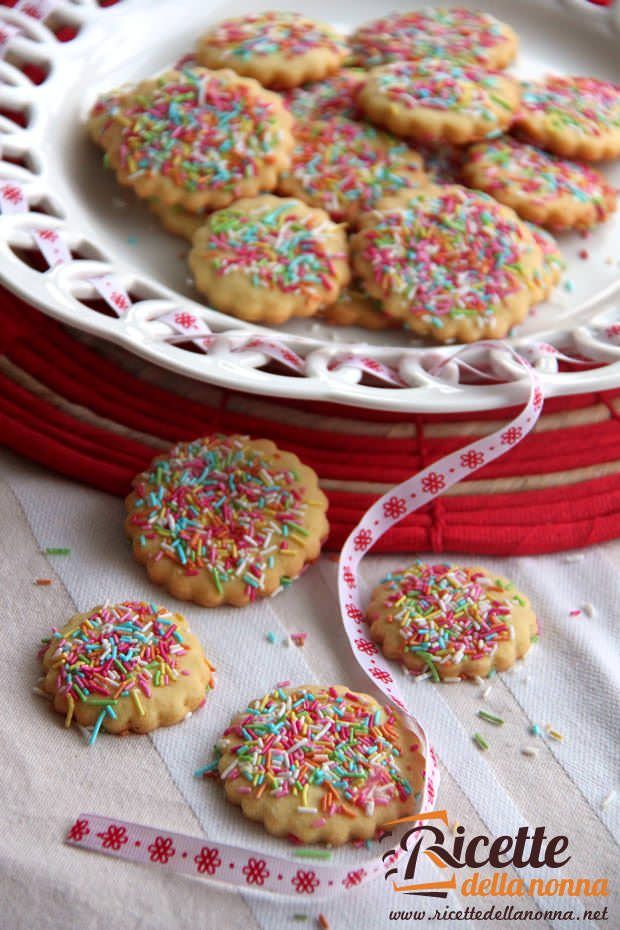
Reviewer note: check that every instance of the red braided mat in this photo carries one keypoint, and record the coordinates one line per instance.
(535, 499)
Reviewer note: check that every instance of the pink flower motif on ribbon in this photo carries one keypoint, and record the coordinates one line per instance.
(185, 320)
(79, 830)
(512, 435)
(354, 878)
(394, 508)
(305, 882)
(291, 358)
(472, 459)
(613, 331)
(114, 837)
(372, 364)
(538, 394)
(381, 675)
(354, 612)
(365, 646)
(362, 540)
(161, 849)
(120, 301)
(349, 578)
(207, 860)
(49, 235)
(255, 871)
(433, 483)
(11, 192)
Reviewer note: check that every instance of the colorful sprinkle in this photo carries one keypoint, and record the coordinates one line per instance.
(583, 105)
(258, 35)
(480, 741)
(334, 96)
(57, 550)
(490, 718)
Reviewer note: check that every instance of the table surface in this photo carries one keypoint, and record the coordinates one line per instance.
(49, 775)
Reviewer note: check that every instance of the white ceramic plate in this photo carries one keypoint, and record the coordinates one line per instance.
(114, 234)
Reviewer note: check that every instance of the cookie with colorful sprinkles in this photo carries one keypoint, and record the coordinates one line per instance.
(447, 32)
(270, 258)
(575, 117)
(438, 100)
(278, 49)
(335, 96)
(355, 307)
(444, 621)
(125, 667)
(320, 764)
(542, 188)
(199, 138)
(345, 167)
(450, 263)
(226, 519)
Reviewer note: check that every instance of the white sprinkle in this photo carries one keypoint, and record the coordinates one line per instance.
(574, 557)
(422, 677)
(609, 799)
(588, 610)
(228, 769)
(307, 810)
(479, 681)
(529, 751)
(452, 679)
(300, 742)
(486, 692)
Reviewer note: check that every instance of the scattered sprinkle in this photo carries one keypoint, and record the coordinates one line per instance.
(271, 637)
(43, 582)
(490, 718)
(480, 741)
(535, 730)
(554, 734)
(57, 550)
(323, 922)
(530, 751)
(583, 253)
(299, 638)
(311, 853)
(588, 610)
(609, 799)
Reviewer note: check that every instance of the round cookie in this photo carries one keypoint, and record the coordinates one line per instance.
(127, 667)
(345, 167)
(105, 107)
(199, 138)
(278, 49)
(176, 219)
(450, 263)
(576, 117)
(322, 765)
(225, 519)
(355, 307)
(334, 96)
(437, 101)
(450, 621)
(540, 187)
(267, 259)
(553, 264)
(449, 32)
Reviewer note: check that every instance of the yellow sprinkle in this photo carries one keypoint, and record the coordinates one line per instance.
(555, 735)
(136, 699)
(70, 709)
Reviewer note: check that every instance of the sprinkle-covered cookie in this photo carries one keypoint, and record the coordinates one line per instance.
(278, 49)
(541, 187)
(334, 96)
(447, 621)
(447, 32)
(437, 101)
(355, 307)
(269, 258)
(127, 667)
(553, 264)
(449, 262)
(226, 519)
(104, 109)
(321, 765)
(346, 167)
(577, 117)
(199, 138)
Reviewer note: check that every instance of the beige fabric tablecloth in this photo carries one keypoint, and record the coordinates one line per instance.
(49, 775)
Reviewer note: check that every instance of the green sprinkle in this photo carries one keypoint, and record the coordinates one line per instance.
(57, 550)
(491, 718)
(480, 741)
(431, 665)
(309, 853)
(271, 637)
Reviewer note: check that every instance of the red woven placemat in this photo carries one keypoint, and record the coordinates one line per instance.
(80, 412)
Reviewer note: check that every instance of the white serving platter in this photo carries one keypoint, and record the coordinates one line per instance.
(114, 234)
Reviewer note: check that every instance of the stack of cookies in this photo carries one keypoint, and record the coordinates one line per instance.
(400, 178)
